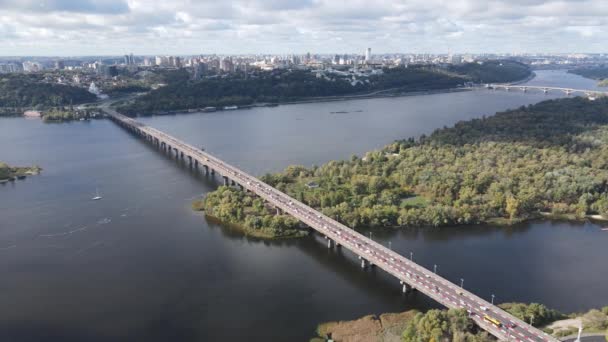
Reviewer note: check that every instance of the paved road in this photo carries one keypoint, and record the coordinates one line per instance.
(594, 338)
(407, 271)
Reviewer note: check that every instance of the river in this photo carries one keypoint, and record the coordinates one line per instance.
(141, 265)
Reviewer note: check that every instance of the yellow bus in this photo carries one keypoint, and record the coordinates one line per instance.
(492, 320)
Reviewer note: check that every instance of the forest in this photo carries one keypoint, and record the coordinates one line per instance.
(292, 85)
(599, 73)
(500, 71)
(443, 325)
(29, 91)
(550, 158)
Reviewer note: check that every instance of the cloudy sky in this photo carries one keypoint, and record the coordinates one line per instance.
(93, 27)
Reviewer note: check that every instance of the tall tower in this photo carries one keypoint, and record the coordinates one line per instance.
(368, 54)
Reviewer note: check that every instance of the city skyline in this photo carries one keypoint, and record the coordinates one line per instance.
(111, 27)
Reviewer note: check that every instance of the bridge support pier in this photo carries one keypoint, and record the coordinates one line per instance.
(363, 262)
(212, 172)
(329, 242)
(206, 169)
(226, 180)
(233, 183)
(190, 160)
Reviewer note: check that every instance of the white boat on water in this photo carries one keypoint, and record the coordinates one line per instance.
(97, 196)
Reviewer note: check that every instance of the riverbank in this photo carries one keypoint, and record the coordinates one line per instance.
(12, 173)
(398, 326)
(246, 213)
(408, 326)
(525, 80)
(385, 327)
(262, 234)
(374, 95)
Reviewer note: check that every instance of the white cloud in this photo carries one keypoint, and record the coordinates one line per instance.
(232, 26)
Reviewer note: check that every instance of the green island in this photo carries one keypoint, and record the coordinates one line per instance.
(248, 213)
(64, 114)
(455, 325)
(599, 73)
(545, 160)
(289, 85)
(10, 173)
(19, 92)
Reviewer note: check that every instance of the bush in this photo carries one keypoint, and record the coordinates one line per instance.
(595, 319)
(566, 332)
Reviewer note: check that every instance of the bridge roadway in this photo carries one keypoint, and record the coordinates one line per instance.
(370, 252)
(546, 89)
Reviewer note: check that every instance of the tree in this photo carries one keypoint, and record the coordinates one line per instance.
(513, 207)
(439, 325)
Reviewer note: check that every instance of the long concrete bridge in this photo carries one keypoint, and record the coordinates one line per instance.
(409, 274)
(546, 89)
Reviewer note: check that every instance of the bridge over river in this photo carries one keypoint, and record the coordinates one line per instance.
(546, 89)
(409, 274)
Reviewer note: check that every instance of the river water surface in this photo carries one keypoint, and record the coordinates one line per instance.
(139, 265)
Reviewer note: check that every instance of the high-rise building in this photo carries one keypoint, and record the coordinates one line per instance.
(10, 67)
(129, 59)
(200, 70)
(111, 71)
(32, 66)
(177, 62)
(368, 54)
(226, 65)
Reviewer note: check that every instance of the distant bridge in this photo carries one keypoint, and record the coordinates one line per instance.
(545, 89)
(410, 275)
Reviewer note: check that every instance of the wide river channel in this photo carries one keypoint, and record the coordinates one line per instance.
(140, 265)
